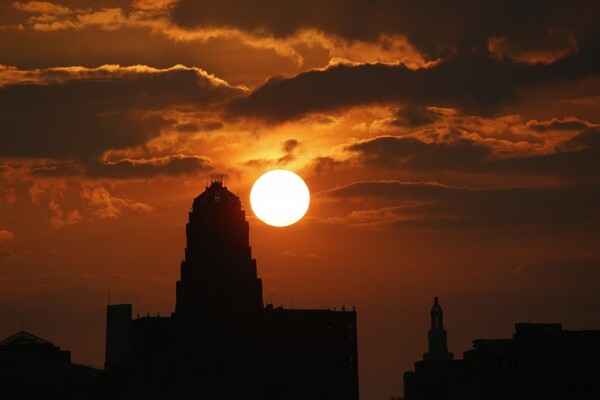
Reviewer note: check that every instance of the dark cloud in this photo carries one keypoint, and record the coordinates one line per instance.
(128, 168)
(414, 116)
(458, 154)
(72, 132)
(290, 145)
(435, 206)
(587, 140)
(570, 124)
(474, 82)
(325, 164)
(83, 112)
(435, 26)
(532, 46)
(578, 157)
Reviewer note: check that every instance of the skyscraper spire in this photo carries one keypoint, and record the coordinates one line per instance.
(438, 337)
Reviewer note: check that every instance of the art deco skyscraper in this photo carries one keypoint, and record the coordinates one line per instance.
(219, 297)
(222, 343)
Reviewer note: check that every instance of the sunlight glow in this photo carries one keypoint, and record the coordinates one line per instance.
(279, 198)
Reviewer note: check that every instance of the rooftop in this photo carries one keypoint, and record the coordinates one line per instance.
(24, 338)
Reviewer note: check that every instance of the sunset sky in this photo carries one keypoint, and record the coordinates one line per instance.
(452, 149)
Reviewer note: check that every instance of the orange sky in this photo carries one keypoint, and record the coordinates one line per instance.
(450, 151)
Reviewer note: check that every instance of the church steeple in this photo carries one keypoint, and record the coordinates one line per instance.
(438, 337)
(437, 315)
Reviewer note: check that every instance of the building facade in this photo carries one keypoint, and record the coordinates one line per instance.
(222, 342)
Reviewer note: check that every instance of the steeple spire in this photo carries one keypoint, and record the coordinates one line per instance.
(437, 315)
(438, 337)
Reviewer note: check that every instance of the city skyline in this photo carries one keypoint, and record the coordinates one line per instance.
(450, 150)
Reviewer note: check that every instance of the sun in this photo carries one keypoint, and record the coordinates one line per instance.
(279, 198)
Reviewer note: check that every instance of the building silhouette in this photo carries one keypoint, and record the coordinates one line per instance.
(540, 361)
(437, 335)
(34, 368)
(222, 342)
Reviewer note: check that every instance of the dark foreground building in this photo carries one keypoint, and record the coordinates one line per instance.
(222, 342)
(34, 368)
(540, 362)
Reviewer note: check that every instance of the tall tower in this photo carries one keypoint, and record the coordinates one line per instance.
(221, 343)
(438, 337)
(219, 298)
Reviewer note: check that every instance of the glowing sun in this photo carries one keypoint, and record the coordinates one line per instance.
(279, 198)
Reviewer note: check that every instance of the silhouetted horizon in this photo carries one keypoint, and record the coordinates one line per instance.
(541, 361)
(450, 149)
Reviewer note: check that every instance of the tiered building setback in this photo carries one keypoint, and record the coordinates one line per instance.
(222, 342)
